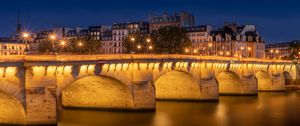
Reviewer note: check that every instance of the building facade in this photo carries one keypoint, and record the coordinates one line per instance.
(121, 30)
(280, 49)
(12, 48)
(231, 40)
(183, 19)
(107, 42)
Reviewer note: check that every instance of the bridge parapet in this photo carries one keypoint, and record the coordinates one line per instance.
(43, 83)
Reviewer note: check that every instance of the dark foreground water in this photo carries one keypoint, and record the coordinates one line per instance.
(266, 109)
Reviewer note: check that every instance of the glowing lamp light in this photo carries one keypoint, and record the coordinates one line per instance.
(63, 43)
(221, 53)
(242, 48)
(249, 48)
(52, 37)
(271, 51)
(132, 39)
(186, 50)
(195, 51)
(80, 44)
(227, 53)
(148, 40)
(25, 35)
(139, 46)
(150, 47)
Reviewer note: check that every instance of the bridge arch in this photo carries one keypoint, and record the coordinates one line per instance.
(177, 85)
(287, 78)
(229, 83)
(97, 92)
(264, 80)
(12, 110)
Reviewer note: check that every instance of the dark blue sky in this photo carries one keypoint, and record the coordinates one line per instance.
(275, 20)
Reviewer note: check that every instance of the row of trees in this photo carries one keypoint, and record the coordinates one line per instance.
(295, 47)
(166, 40)
(85, 45)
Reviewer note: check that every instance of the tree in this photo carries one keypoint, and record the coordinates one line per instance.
(170, 39)
(295, 47)
(137, 43)
(45, 46)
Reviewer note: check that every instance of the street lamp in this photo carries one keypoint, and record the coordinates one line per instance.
(80, 45)
(133, 39)
(139, 47)
(277, 52)
(210, 45)
(221, 53)
(52, 38)
(195, 51)
(26, 37)
(249, 49)
(62, 43)
(186, 50)
(227, 53)
(148, 40)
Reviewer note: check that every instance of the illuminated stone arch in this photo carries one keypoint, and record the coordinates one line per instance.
(12, 111)
(230, 83)
(264, 80)
(97, 92)
(177, 85)
(288, 79)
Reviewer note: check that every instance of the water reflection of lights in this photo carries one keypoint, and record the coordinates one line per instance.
(161, 119)
(221, 114)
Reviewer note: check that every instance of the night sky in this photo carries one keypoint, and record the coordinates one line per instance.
(276, 21)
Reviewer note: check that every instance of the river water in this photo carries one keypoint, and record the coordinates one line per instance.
(266, 109)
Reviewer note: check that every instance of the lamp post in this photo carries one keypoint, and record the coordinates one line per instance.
(62, 43)
(133, 42)
(139, 47)
(277, 52)
(210, 48)
(271, 51)
(53, 38)
(242, 51)
(80, 45)
(26, 37)
(249, 51)
(150, 48)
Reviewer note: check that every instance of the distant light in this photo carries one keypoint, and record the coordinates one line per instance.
(242, 48)
(139, 46)
(25, 35)
(53, 36)
(195, 51)
(150, 47)
(63, 43)
(186, 50)
(132, 39)
(148, 40)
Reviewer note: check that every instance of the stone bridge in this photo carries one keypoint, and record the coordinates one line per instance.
(34, 88)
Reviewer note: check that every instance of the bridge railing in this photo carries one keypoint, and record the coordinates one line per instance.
(127, 56)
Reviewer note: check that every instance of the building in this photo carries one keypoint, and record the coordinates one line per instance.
(12, 48)
(280, 49)
(199, 36)
(183, 19)
(107, 42)
(231, 40)
(121, 30)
